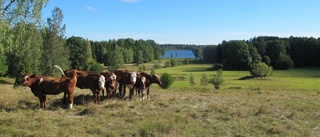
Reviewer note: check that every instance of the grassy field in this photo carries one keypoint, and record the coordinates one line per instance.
(285, 104)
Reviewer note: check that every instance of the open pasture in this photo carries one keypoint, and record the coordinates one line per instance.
(295, 79)
(285, 104)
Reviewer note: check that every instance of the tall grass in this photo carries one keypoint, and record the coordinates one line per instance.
(286, 104)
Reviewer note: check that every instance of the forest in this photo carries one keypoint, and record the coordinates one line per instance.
(280, 53)
(32, 45)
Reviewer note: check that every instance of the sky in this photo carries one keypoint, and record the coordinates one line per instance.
(200, 22)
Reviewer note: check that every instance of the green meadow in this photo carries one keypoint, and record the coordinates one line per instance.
(284, 104)
(293, 79)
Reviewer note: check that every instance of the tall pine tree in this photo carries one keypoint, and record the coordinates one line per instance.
(54, 50)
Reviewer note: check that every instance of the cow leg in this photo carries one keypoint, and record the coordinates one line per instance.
(95, 95)
(45, 101)
(103, 92)
(70, 100)
(148, 96)
(131, 93)
(98, 97)
(42, 99)
(142, 94)
(114, 91)
(64, 98)
(124, 90)
(108, 93)
(41, 102)
(120, 91)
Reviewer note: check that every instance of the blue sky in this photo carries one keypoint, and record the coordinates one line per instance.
(188, 21)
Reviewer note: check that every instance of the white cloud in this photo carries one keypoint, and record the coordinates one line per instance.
(91, 8)
(130, 1)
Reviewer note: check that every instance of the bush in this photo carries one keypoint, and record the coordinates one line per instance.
(217, 79)
(266, 60)
(153, 71)
(261, 69)
(167, 64)
(204, 80)
(167, 80)
(191, 80)
(95, 66)
(156, 66)
(173, 62)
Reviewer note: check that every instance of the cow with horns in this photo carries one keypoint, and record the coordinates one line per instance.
(47, 85)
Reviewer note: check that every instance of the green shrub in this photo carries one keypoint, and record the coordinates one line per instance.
(204, 80)
(95, 66)
(156, 66)
(261, 69)
(173, 62)
(167, 80)
(142, 68)
(167, 64)
(266, 60)
(191, 80)
(217, 79)
(153, 71)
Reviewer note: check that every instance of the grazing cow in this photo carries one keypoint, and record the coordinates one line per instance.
(150, 79)
(111, 83)
(126, 78)
(90, 80)
(46, 85)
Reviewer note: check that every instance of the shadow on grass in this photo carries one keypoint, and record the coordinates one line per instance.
(78, 100)
(246, 78)
(5, 82)
(54, 104)
(196, 70)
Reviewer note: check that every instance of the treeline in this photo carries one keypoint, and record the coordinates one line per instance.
(28, 45)
(280, 53)
(114, 53)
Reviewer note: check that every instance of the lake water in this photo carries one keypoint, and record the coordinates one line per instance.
(178, 54)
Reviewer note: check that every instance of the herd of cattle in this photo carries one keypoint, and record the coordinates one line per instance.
(96, 82)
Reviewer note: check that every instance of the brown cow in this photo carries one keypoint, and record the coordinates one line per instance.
(139, 86)
(150, 79)
(46, 85)
(111, 83)
(126, 78)
(90, 80)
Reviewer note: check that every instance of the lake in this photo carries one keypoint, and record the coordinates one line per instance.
(178, 54)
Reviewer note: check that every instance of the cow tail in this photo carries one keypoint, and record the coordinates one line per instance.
(57, 67)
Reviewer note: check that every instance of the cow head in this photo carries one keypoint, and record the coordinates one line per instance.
(133, 77)
(101, 82)
(113, 81)
(26, 79)
(156, 79)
